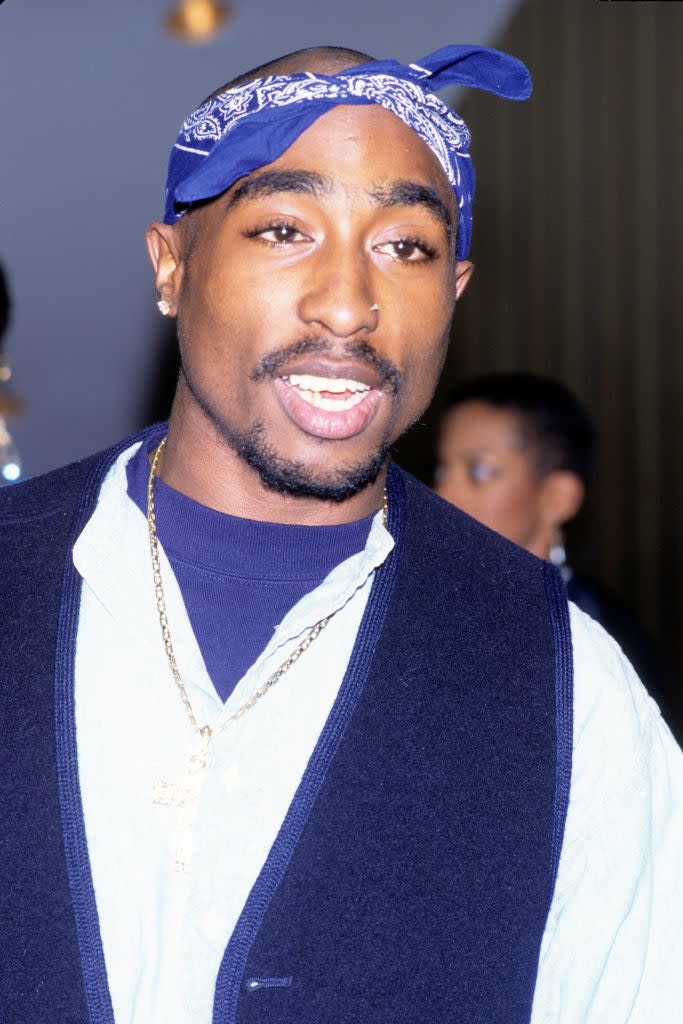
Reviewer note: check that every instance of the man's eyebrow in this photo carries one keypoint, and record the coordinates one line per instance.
(271, 182)
(398, 193)
(410, 193)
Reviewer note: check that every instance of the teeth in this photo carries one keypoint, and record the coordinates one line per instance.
(319, 401)
(311, 389)
(336, 385)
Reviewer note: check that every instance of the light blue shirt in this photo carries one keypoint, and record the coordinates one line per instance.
(613, 945)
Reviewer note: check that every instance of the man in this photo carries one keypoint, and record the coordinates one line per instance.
(289, 738)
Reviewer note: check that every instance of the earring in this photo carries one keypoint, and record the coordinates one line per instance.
(557, 554)
(163, 307)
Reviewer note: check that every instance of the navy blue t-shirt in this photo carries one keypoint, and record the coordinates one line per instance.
(238, 577)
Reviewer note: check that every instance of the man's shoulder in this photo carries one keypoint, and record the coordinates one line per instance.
(59, 490)
(606, 682)
(46, 494)
(439, 531)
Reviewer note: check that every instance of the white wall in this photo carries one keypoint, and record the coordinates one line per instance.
(91, 96)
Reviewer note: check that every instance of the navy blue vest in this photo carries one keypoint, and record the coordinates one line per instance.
(411, 879)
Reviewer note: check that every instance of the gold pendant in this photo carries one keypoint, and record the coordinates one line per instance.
(186, 797)
(169, 794)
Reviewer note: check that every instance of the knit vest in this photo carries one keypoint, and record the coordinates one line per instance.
(411, 878)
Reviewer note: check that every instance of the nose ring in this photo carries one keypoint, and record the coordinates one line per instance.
(374, 308)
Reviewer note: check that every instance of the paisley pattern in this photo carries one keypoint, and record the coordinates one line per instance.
(442, 129)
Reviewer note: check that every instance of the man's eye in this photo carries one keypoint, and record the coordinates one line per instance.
(408, 250)
(277, 234)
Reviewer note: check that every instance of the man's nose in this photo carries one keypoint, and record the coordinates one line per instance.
(339, 295)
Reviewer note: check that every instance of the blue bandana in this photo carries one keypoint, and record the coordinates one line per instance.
(251, 125)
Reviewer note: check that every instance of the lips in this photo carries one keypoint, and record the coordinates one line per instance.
(330, 407)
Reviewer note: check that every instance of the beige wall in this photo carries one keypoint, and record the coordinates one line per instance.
(578, 245)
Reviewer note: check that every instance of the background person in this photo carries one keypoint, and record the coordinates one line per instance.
(515, 451)
(10, 405)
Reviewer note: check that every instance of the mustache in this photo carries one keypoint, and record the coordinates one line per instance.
(270, 365)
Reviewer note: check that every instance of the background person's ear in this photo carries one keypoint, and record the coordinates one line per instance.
(562, 496)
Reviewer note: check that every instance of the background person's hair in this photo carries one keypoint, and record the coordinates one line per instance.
(553, 423)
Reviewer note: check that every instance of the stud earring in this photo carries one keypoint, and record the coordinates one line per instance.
(557, 554)
(163, 307)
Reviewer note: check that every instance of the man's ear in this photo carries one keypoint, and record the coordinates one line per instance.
(164, 247)
(463, 272)
(562, 496)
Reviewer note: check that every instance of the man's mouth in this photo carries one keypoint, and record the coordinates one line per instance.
(331, 394)
(334, 408)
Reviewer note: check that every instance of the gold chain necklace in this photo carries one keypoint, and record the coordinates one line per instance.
(171, 794)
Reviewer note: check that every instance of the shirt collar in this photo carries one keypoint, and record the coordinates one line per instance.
(112, 556)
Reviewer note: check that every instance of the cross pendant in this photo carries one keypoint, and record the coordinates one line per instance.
(186, 797)
(169, 794)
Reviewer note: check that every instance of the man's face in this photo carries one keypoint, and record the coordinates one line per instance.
(284, 359)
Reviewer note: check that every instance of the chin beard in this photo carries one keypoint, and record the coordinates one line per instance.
(287, 476)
